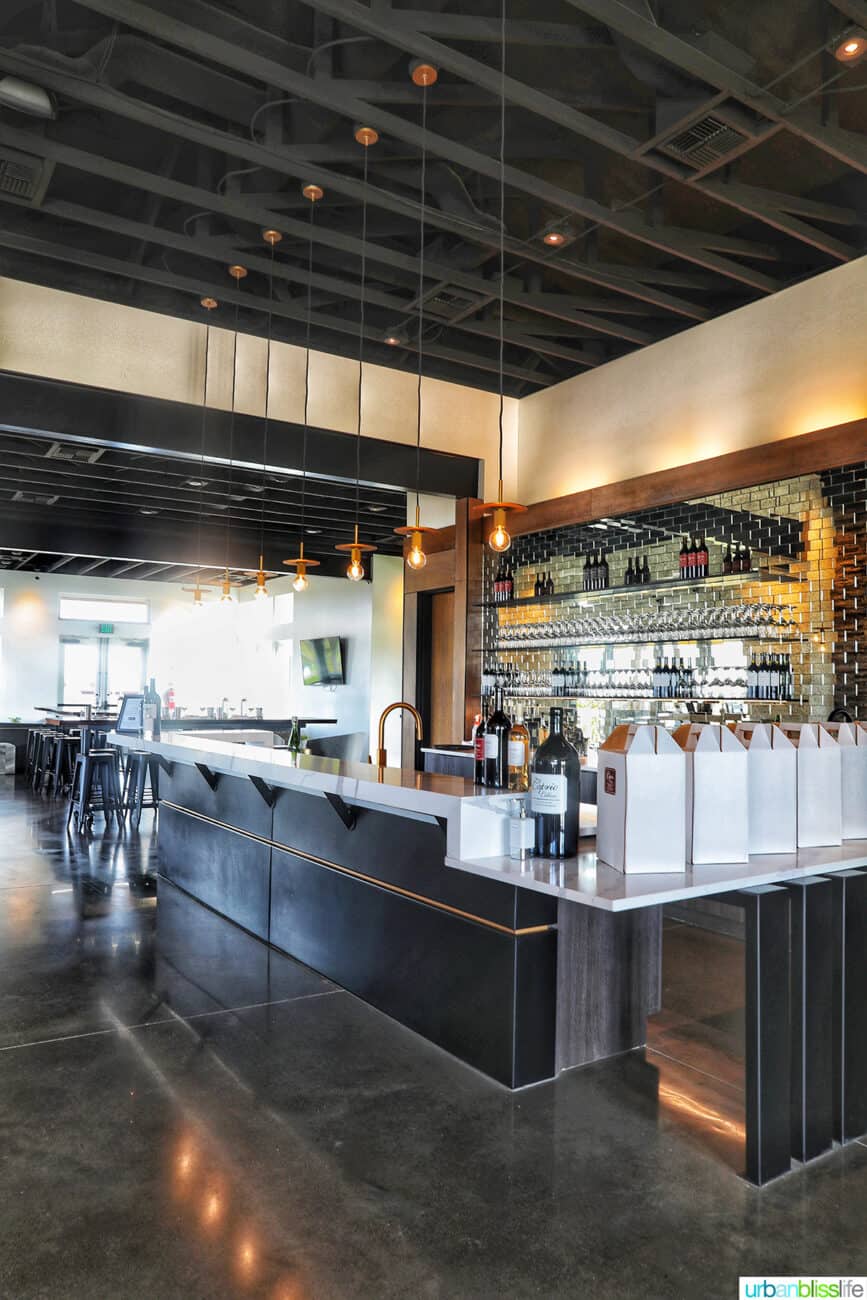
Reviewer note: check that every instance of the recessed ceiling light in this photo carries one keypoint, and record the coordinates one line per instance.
(148, 510)
(313, 530)
(852, 47)
(394, 339)
(375, 508)
(554, 238)
(196, 482)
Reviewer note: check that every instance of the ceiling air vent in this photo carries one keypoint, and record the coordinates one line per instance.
(24, 177)
(80, 455)
(35, 498)
(706, 142)
(448, 304)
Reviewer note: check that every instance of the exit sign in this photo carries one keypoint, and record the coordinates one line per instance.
(106, 629)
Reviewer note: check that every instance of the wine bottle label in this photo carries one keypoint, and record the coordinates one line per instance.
(479, 748)
(492, 746)
(548, 793)
(517, 753)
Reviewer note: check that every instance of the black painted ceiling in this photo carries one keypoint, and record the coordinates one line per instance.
(698, 154)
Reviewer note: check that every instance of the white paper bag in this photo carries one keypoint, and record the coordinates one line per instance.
(716, 793)
(820, 785)
(852, 739)
(641, 824)
(772, 788)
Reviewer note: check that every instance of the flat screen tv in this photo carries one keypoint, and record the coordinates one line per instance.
(322, 662)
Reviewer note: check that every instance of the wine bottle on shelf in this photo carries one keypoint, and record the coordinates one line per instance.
(555, 793)
(549, 586)
(479, 746)
(727, 560)
(752, 679)
(519, 756)
(692, 559)
(747, 561)
(587, 571)
(645, 571)
(594, 573)
(497, 745)
(703, 559)
(629, 575)
(508, 584)
(683, 558)
(603, 571)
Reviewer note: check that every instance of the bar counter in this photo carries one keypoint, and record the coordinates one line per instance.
(395, 885)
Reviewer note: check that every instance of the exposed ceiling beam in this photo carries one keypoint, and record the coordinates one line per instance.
(293, 162)
(377, 22)
(846, 146)
(206, 30)
(470, 27)
(94, 564)
(61, 563)
(25, 560)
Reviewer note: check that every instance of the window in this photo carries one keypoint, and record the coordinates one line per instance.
(104, 611)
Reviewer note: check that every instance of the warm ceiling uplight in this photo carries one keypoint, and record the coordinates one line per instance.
(423, 74)
(208, 303)
(366, 135)
(852, 48)
(554, 238)
(313, 192)
(393, 340)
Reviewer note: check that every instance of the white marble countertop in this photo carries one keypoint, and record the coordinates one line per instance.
(474, 822)
(587, 880)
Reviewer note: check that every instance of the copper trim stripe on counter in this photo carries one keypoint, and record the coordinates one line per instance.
(360, 875)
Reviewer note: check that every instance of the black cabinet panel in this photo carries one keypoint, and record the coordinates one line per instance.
(229, 872)
(235, 800)
(404, 852)
(454, 981)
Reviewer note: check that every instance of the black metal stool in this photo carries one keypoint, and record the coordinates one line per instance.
(50, 750)
(141, 786)
(66, 752)
(39, 755)
(95, 788)
(32, 733)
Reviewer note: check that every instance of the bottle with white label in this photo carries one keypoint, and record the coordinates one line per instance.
(521, 832)
(519, 757)
(497, 745)
(555, 793)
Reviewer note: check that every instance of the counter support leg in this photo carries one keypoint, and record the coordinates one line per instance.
(849, 1018)
(768, 1032)
(812, 974)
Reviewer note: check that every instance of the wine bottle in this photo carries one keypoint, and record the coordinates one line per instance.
(479, 748)
(519, 756)
(587, 572)
(727, 560)
(683, 558)
(594, 573)
(603, 571)
(703, 559)
(509, 584)
(629, 576)
(497, 745)
(645, 571)
(555, 793)
(747, 561)
(549, 587)
(692, 559)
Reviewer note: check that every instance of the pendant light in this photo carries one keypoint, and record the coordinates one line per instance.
(300, 562)
(499, 538)
(237, 273)
(209, 305)
(271, 238)
(365, 136)
(423, 75)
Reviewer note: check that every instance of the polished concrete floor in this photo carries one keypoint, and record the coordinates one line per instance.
(186, 1114)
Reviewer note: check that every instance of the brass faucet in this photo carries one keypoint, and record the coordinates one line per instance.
(382, 755)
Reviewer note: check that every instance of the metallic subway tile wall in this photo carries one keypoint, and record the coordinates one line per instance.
(808, 540)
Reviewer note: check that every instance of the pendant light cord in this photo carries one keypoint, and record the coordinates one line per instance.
(307, 372)
(361, 340)
(202, 451)
(232, 436)
(502, 214)
(267, 398)
(421, 292)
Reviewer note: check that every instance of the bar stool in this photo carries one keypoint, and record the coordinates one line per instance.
(42, 738)
(50, 750)
(141, 788)
(95, 788)
(32, 733)
(66, 752)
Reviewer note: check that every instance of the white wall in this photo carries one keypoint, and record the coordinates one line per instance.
(782, 366)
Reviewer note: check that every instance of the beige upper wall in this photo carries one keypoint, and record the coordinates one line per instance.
(786, 365)
(58, 335)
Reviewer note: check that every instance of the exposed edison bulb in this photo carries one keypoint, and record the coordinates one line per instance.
(260, 591)
(500, 538)
(300, 582)
(226, 598)
(355, 569)
(415, 556)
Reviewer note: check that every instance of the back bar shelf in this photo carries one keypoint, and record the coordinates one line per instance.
(659, 584)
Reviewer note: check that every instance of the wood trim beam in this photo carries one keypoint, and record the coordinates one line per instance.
(807, 453)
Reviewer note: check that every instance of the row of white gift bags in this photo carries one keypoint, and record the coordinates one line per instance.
(819, 784)
(852, 739)
(641, 800)
(717, 821)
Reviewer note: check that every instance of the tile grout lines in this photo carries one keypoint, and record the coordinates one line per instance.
(156, 1024)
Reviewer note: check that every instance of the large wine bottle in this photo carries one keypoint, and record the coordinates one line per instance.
(497, 730)
(555, 793)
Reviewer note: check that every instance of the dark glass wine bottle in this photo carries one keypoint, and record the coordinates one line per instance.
(497, 745)
(555, 793)
(479, 749)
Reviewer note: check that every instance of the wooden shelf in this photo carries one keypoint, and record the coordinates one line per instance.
(557, 643)
(659, 699)
(660, 584)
